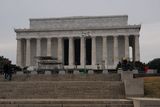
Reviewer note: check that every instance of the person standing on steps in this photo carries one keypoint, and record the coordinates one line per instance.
(7, 71)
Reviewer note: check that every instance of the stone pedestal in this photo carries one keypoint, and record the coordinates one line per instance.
(76, 72)
(62, 72)
(134, 87)
(105, 71)
(47, 72)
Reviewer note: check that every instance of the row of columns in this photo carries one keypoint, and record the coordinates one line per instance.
(28, 50)
(82, 48)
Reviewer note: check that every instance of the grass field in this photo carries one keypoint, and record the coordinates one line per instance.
(152, 87)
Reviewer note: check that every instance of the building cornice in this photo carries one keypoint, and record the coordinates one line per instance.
(78, 29)
(78, 17)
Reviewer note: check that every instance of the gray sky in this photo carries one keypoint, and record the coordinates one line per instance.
(15, 14)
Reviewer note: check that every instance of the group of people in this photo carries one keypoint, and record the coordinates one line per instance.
(125, 65)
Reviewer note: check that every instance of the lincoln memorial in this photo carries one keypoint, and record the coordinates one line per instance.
(84, 41)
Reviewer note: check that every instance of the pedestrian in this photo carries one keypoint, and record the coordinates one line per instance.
(7, 71)
(146, 69)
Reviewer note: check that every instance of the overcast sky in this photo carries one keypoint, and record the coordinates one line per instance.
(16, 14)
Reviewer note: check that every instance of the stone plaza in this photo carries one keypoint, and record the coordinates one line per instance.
(84, 42)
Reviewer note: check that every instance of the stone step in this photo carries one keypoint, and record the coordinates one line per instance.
(66, 77)
(63, 89)
(66, 103)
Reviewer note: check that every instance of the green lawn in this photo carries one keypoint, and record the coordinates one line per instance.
(152, 87)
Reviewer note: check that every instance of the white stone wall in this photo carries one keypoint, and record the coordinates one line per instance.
(78, 22)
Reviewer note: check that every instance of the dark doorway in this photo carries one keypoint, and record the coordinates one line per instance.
(77, 51)
(88, 51)
(66, 51)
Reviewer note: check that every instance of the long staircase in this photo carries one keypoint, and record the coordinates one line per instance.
(69, 90)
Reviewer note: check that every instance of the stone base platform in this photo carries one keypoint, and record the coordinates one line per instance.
(66, 103)
(66, 77)
(62, 90)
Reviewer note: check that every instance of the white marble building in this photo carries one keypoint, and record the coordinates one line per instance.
(79, 41)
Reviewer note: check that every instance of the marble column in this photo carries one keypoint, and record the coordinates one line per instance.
(28, 52)
(19, 52)
(82, 54)
(116, 59)
(137, 49)
(126, 46)
(38, 52)
(104, 57)
(93, 50)
(49, 40)
(71, 51)
(59, 51)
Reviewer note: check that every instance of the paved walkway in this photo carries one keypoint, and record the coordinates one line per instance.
(57, 101)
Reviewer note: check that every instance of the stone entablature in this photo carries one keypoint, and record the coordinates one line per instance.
(109, 31)
(78, 22)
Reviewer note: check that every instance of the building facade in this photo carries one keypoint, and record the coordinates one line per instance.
(82, 42)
